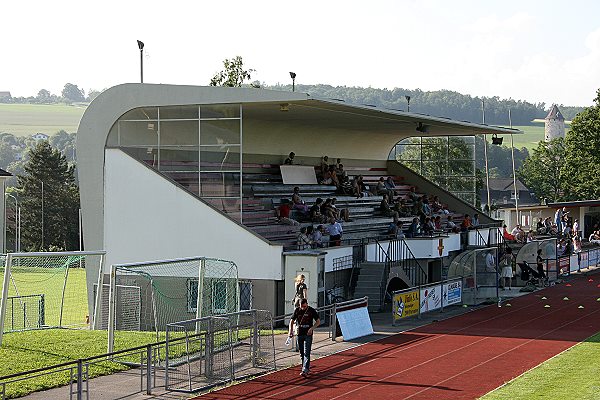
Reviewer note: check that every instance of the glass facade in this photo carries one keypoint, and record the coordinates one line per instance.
(197, 146)
(448, 161)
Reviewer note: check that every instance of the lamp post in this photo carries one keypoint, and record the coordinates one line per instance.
(407, 103)
(141, 47)
(512, 151)
(487, 171)
(293, 76)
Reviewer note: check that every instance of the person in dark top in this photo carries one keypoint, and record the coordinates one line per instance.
(540, 267)
(290, 159)
(304, 316)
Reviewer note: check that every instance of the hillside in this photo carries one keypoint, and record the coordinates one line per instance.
(29, 119)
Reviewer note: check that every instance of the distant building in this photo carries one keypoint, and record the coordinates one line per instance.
(40, 136)
(502, 192)
(5, 96)
(555, 124)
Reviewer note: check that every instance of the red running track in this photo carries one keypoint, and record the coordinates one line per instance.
(459, 358)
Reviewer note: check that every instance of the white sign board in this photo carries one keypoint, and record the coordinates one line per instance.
(355, 323)
(431, 298)
(298, 175)
(452, 293)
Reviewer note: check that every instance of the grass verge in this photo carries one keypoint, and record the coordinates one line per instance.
(570, 375)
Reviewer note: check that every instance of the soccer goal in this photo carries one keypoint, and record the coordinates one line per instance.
(47, 290)
(146, 297)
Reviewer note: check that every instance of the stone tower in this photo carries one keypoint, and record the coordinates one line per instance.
(555, 124)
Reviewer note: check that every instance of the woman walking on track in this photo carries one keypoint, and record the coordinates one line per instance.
(506, 273)
(301, 290)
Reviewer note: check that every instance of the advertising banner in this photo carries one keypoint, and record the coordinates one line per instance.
(405, 304)
(452, 293)
(431, 298)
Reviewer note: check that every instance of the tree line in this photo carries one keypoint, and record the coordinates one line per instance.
(71, 93)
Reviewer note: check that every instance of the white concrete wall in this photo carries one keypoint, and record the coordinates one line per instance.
(146, 217)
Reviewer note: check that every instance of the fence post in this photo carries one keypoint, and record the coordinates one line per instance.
(79, 379)
(333, 322)
(4, 297)
(254, 338)
(148, 368)
(209, 347)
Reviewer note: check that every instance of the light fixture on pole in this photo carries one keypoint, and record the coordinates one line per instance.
(293, 76)
(487, 171)
(141, 47)
(497, 140)
(407, 97)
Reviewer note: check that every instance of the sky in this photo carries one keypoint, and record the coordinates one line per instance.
(539, 51)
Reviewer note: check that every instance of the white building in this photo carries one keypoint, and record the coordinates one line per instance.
(165, 172)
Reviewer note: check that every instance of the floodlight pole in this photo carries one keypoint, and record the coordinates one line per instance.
(512, 151)
(141, 47)
(487, 171)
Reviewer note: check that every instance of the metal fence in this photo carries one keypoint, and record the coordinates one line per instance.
(218, 349)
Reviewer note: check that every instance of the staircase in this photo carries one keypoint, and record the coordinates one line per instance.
(369, 283)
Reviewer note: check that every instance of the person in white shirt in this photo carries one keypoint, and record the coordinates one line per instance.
(475, 221)
(335, 231)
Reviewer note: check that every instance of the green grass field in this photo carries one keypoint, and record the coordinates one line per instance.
(570, 375)
(29, 119)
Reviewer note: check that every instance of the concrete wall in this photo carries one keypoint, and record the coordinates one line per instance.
(148, 218)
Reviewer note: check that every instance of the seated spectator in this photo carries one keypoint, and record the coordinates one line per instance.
(390, 184)
(437, 222)
(297, 202)
(345, 186)
(568, 249)
(340, 213)
(401, 208)
(327, 210)
(530, 237)
(290, 159)
(435, 204)
(595, 237)
(381, 189)
(548, 224)
(466, 223)
(338, 166)
(451, 226)
(519, 234)
(426, 207)
(335, 231)
(393, 228)
(414, 229)
(324, 167)
(283, 213)
(444, 210)
(540, 227)
(304, 241)
(328, 176)
(567, 230)
(412, 195)
(385, 208)
(315, 212)
(506, 235)
(359, 187)
(428, 226)
(475, 220)
(317, 237)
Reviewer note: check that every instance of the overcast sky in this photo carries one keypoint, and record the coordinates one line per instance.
(527, 49)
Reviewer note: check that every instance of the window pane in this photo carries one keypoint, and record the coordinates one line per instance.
(220, 111)
(179, 112)
(138, 133)
(222, 158)
(220, 132)
(192, 294)
(219, 297)
(219, 184)
(179, 133)
(144, 113)
(245, 295)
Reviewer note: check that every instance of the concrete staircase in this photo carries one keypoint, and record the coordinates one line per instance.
(369, 282)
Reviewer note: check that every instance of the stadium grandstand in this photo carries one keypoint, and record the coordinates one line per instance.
(168, 172)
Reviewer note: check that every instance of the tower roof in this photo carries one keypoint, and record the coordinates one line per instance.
(555, 113)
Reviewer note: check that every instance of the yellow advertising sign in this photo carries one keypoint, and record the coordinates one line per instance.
(406, 304)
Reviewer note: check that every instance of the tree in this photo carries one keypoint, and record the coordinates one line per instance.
(92, 94)
(233, 75)
(73, 93)
(582, 155)
(60, 203)
(541, 172)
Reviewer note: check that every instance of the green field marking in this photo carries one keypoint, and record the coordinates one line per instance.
(29, 119)
(572, 374)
